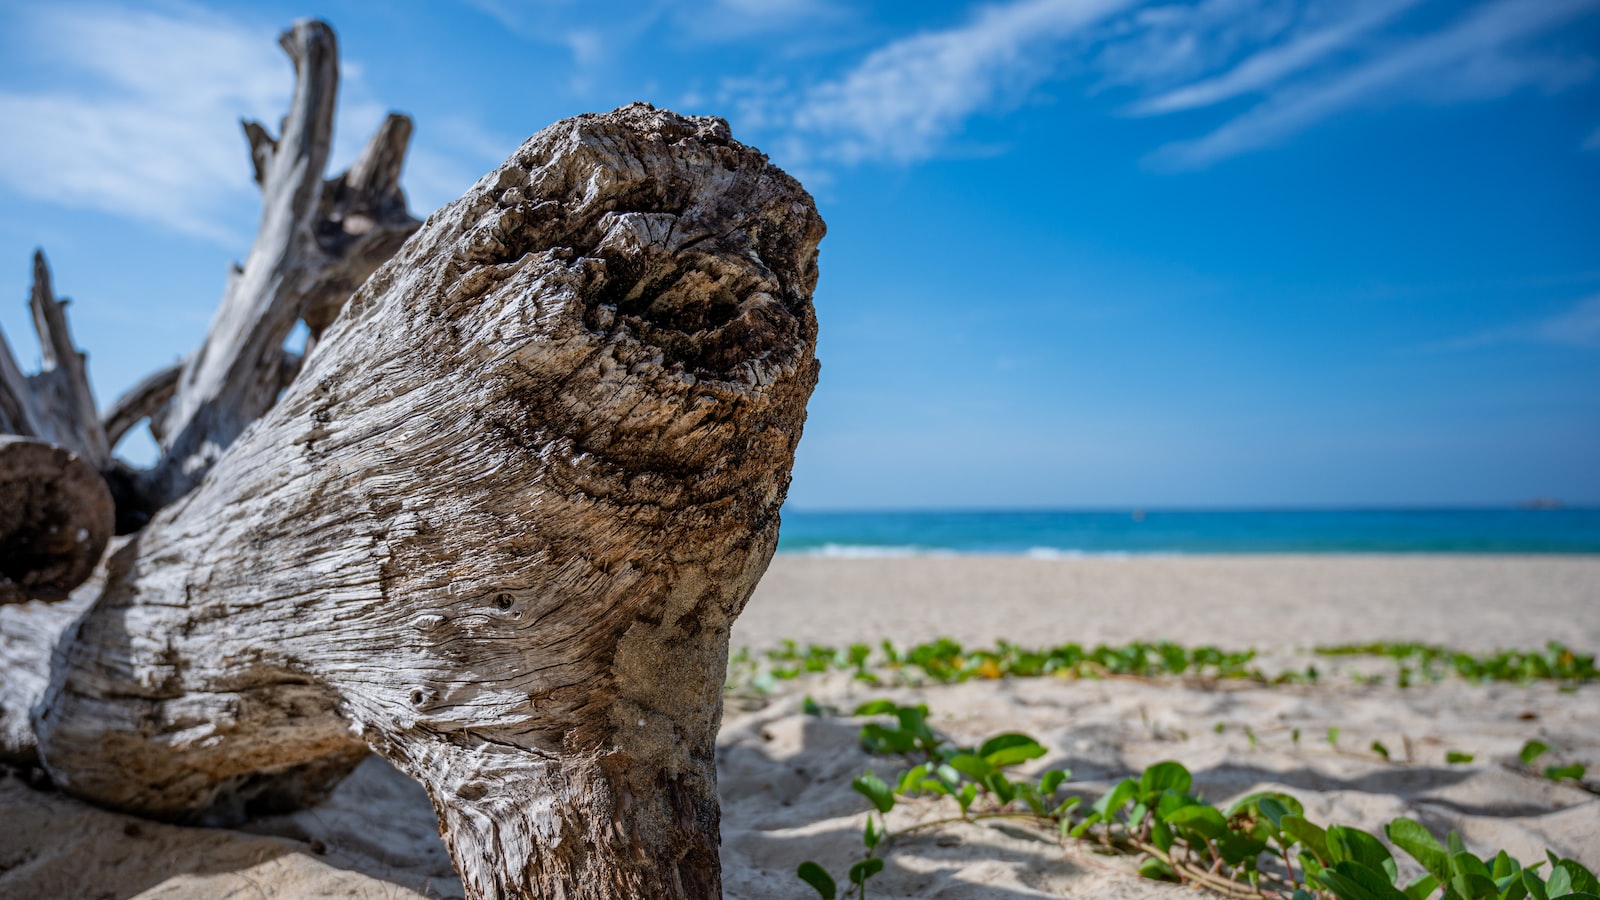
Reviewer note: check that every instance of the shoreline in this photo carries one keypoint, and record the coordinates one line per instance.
(1051, 553)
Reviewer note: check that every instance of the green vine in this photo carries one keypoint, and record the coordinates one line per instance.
(945, 661)
(1261, 846)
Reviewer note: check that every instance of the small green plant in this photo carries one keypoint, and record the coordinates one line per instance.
(818, 878)
(946, 662)
(1555, 663)
(1260, 846)
(976, 779)
(1533, 750)
(1573, 772)
(1456, 757)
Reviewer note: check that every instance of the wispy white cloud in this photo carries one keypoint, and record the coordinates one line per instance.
(716, 19)
(1474, 58)
(1302, 60)
(148, 128)
(1162, 45)
(774, 10)
(906, 97)
(513, 15)
(591, 42)
(1576, 326)
(1269, 67)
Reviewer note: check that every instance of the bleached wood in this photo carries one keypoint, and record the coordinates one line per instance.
(16, 398)
(150, 395)
(361, 222)
(29, 633)
(62, 384)
(140, 402)
(55, 404)
(498, 528)
(351, 230)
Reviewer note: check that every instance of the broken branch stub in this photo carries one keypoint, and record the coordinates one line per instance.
(55, 519)
(498, 528)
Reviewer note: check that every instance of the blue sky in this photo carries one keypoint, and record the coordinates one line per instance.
(1080, 252)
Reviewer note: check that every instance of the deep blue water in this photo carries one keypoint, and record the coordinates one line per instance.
(1193, 531)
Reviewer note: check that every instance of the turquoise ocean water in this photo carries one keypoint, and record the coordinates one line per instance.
(1052, 534)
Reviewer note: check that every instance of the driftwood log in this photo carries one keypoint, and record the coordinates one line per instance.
(496, 528)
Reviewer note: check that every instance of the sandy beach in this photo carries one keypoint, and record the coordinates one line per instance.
(785, 775)
(1470, 602)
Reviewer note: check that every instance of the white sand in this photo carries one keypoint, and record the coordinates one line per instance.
(785, 776)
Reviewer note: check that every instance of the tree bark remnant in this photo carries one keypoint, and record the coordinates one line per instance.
(498, 528)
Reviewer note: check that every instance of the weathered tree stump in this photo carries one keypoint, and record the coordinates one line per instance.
(497, 528)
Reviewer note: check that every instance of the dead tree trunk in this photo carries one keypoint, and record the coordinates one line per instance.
(498, 527)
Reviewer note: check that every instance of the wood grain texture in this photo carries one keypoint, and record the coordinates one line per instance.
(498, 528)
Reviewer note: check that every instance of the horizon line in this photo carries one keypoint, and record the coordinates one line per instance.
(1534, 505)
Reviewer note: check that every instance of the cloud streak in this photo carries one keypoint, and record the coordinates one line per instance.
(1302, 62)
(1577, 326)
(1473, 56)
(1271, 66)
(142, 122)
(905, 98)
